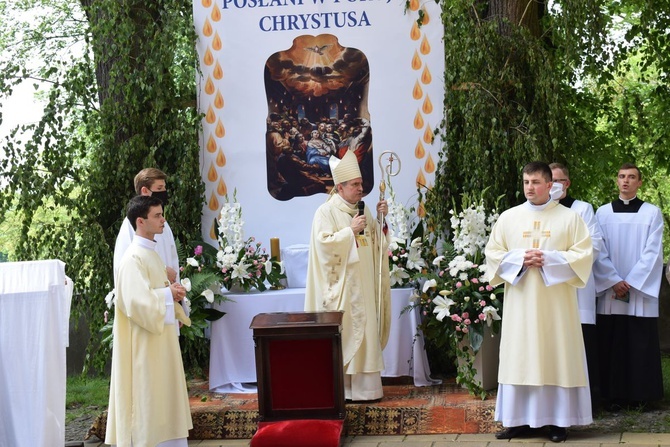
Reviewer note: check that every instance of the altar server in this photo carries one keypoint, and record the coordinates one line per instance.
(542, 252)
(586, 297)
(628, 277)
(344, 274)
(148, 400)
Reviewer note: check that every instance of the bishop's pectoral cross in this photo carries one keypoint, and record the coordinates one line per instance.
(536, 234)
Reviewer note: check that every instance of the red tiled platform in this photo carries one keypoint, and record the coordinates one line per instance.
(405, 409)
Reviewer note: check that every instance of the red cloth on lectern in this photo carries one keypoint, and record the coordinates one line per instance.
(299, 433)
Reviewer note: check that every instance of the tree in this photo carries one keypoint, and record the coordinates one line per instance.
(125, 101)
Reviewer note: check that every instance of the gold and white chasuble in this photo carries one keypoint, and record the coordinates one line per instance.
(148, 401)
(541, 342)
(343, 275)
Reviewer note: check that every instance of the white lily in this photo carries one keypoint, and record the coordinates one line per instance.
(192, 262)
(428, 284)
(442, 306)
(437, 260)
(209, 295)
(186, 283)
(414, 259)
(415, 243)
(398, 275)
(491, 314)
(110, 299)
(240, 271)
(268, 266)
(186, 303)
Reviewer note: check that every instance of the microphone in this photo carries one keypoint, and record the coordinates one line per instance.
(361, 212)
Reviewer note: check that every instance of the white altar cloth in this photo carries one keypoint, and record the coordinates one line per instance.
(232, 366)
(34, 326)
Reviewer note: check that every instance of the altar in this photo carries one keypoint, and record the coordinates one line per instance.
(35, 301)
(232, 367)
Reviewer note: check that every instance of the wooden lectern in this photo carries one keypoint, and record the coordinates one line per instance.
(300, 378)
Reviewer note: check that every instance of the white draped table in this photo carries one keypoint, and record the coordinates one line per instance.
(232, 367)
(34, 326)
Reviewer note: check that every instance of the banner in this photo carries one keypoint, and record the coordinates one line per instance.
(285, 84)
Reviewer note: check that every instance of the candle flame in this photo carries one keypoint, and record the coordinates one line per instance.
(421, 211)
(220, 131)
(415, 33)
(221, 188)
(429, 166)
(210, 117)
(413, 5)
(208, 59)
(206, 3)
(221, 160)
(209, 86)
(425, 46)
(419, 151)
(213, 202)
(207, 29)
(212, 231)
(427, 106)
(416, 61)
(418, 120)
(218, 71)
(211, 144)
(417, 91)
(426, 77)
(212, 175)
(218, 100)
(420, 179)
(426, 18)
(216, 13)
(428, 135)
(216, 43)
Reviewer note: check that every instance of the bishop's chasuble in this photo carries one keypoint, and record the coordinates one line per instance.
(343, 274)
(542, 351)
(148, 400)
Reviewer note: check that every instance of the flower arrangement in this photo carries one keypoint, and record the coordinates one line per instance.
(243, 263)
(458, 305)
(408, 250)
(237, 264)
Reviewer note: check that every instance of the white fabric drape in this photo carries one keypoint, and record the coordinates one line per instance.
(34, 325)
(232, 368)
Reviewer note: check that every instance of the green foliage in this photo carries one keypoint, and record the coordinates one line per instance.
(124, 101)
(86, 395)
(584, 83)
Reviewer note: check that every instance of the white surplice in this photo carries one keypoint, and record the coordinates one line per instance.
(632, 251)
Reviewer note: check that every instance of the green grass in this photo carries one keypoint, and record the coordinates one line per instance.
(88, 395)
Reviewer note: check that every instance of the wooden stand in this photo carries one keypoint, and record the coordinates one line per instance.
(299, 365)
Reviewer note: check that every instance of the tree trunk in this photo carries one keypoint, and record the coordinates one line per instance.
(509, 13)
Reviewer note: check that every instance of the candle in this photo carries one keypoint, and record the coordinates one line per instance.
(274, 248)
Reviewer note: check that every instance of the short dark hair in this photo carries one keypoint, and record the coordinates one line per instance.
(631, 166)
(538, 166)
(146, 178)
(560, 166)
(139, 207)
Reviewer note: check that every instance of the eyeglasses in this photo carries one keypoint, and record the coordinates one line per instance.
(562, 180)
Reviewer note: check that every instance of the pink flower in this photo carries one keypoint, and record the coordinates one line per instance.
(466, 330)
(425, 312)
(476, 321)
(466, 315)
(441, 273)
(482, 317)
(482, 303)
(474, 281)
(198, 250)
(458, 329)
(181, 269)
(481, 288)
(459, 285)
(467, 321)
(488, 287)
(454, 317)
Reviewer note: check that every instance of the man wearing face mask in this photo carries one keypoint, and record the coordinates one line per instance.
(586, 297)
(150, 182)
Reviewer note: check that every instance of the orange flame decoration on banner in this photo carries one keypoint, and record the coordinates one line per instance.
(213, 102)
(419, 94)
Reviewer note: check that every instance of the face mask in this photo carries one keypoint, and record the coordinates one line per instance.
(162, 195)
(556, 191)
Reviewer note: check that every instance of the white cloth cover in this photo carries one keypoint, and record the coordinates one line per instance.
(232, 368)
(295, 258)
(34, 324)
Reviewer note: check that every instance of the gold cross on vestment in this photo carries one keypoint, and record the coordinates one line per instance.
(536, 234)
